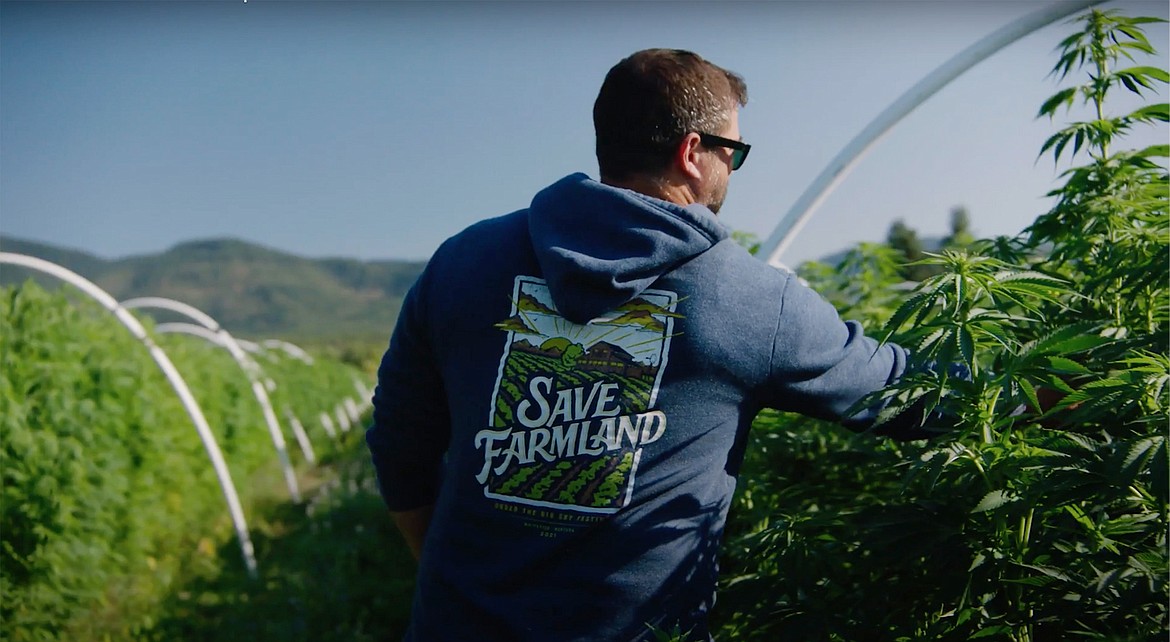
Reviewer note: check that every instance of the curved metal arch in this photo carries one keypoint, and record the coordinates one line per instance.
(249, 366)
(291, 349)
(173, 377)
(835, 172)
(191, 329)
(327, 424)
(217, 339)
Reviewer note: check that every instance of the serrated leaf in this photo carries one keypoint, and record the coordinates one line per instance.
(930, 341)
(1066, 365)
(1129, 524)
(1031, 275)
(1107, 383)
(1160, 473)
(1031, 581)
(994, 500)
(1069, 340)
(967, 348)
(1157, 151)
(1159, 112)
(1142, 20)
(1043, 291)
(906, 310)
(1153, 72)
(990, 631)
(1058, 139)
(1030, 392)
(1054, 573)
(995, 331)
(977, 562)
(1136, 458)
(1064, 96)
(1106, 579)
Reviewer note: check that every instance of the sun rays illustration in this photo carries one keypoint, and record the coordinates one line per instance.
(639, 326)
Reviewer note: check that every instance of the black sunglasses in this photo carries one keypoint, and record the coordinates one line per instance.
(739, 148)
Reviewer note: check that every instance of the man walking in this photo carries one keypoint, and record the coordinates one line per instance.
(562, 411)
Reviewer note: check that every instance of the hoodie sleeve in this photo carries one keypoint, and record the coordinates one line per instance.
(822, 365)
(411, 427)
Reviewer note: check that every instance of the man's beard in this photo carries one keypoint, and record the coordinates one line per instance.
(714, 199)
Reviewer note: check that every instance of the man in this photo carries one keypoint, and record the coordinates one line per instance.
(563, 408)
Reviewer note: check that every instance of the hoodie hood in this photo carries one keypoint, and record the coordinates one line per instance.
(600, 246)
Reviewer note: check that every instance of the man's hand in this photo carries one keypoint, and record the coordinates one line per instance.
(413, 525)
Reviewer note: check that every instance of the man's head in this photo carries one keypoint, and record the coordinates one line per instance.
(650, 117)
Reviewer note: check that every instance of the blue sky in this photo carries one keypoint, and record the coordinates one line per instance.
(376, 130)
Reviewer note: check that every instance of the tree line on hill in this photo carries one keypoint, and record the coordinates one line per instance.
(253, 291)
(905, 240)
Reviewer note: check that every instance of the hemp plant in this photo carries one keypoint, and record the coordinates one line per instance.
(1065, 334)
(1109, 227)
(1042, 513)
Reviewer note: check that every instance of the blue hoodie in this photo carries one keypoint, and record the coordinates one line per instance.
(571, 386)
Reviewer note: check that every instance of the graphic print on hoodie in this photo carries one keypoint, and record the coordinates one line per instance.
(573, 404)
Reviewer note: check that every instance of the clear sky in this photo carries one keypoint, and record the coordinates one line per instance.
(376, 130)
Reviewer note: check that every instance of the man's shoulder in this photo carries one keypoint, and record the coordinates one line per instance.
(730, 262)
(506, 224)
(491, 235)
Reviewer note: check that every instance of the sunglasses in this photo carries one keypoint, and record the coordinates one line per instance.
(739, 148)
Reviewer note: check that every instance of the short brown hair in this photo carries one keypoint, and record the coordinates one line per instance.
(654, 98)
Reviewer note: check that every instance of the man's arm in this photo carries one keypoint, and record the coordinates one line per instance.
(413, 525)
(411, 425)
(822, 366)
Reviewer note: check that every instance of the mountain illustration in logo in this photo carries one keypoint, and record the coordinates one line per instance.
(515, 323)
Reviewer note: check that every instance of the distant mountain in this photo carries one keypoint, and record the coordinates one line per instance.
(528, 303)
(253, 291)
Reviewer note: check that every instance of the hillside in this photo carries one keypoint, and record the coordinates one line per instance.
(253, 291)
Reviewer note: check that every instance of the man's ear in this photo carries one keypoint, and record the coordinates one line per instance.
(686, 156)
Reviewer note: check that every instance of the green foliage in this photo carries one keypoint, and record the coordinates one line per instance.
(910, 250)
(960, 235)
(749, 241)
(1106, 38)
(1044, 515)
(904, 239)
(1112, 211)
(108, 495)
(675, 634)
(88, 437)
(332, 571)
(313, 393)
(858, 286)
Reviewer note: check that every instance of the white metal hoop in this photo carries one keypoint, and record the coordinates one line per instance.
(251, 369)
(838, 168)
(215, 338)
(175, 379)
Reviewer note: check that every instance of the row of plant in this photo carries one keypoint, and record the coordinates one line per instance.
(1041, 513)
(109, 497)
(335, 570)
